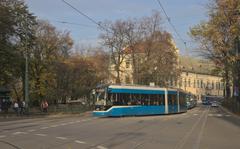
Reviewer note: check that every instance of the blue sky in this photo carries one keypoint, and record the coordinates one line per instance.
(183, 14)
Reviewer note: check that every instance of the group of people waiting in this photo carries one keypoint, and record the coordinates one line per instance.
(19, 107)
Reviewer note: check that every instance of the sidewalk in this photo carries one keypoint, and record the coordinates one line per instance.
(229, 112)
(13, 116)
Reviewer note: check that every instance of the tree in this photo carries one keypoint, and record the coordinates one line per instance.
(159, 62)
(50, 47)
(146, 45)
(15, 35)
(114, 37)
(217, 35)
(158, 54)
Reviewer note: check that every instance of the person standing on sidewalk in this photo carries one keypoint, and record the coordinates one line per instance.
(16, 108)
(22, 107)
(44, 106)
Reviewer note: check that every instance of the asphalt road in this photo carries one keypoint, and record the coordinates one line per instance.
(200, 128)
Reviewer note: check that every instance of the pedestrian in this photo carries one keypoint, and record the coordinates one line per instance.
(22, 107)
(44, 106)
(16, 107)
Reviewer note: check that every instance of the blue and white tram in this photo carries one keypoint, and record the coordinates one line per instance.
(122, 100)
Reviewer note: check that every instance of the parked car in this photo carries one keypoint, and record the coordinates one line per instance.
(214, 104)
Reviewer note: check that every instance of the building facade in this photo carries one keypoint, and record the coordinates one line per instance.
(201, 84)
(196, 77)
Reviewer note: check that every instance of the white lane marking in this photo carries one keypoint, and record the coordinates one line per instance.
(227, 115)
(101, 147)
(184, 114)
(210, 114)
(18, 133)
(54, 126)
(71, 123)
(84, 120)
(31, 130)
(219, 115)
(63, 124)
(62, 138)
(39, 134)
(195, 114)
(44, 127)
(78, 121)
(80, 142)
(2, 136)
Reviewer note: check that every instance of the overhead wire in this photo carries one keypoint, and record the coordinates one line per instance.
(86, 16)
(175, 30)
(73, 23)
(171, 24)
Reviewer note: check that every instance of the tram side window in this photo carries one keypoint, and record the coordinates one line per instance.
(111, 98)
(182, 99)
(135, 99)
(153, 100)
(124, 99)
(162, 99)
(157, 99)
(116, 99)
(172, 99)
(145, 99)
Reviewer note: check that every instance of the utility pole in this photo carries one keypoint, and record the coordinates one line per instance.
(26, 82)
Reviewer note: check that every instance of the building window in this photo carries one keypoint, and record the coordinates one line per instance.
(201, 83)
(208, 85)
(127, 80)
(127, 64)
(185, 82)
(212, 85)
(180, 82)
(171, 82)
(189, 83)
(194, 83)
(198, 84)
(222, 86)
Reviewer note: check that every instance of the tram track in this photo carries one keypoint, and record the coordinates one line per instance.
(187, 135)
(130, 135)
(10, 144)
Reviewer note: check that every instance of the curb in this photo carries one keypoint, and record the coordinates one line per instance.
(229, 112)
(57, 115)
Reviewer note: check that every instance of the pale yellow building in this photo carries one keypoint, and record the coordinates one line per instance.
(201, 84)
(196, 77)
(125, 73)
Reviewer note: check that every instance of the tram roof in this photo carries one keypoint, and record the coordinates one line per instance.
(138, 87)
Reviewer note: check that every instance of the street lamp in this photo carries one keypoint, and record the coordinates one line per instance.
(155, 68)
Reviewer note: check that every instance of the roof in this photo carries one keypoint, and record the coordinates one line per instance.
(140, 87)
(196, 65)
